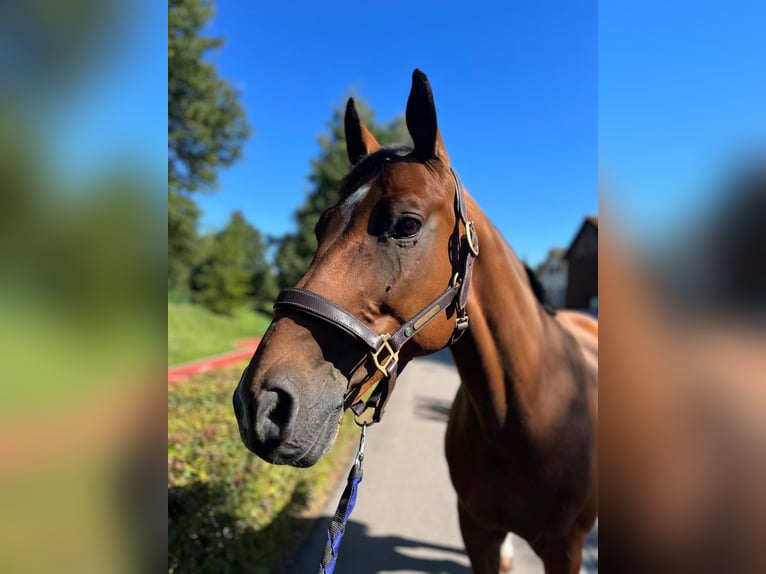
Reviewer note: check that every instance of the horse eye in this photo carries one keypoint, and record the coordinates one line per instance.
(406, 227)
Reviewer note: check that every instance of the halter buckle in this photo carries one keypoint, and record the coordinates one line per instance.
(461, 326)
(391, 358)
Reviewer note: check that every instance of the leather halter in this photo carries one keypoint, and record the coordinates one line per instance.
(384, 349)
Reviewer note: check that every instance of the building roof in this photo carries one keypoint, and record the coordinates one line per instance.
(589, 221)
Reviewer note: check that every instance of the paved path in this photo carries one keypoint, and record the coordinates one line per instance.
(405, 519)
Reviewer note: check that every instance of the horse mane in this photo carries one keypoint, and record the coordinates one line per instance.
(540, 293)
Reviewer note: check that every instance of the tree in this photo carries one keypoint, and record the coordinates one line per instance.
(183, 214)
(235, 271)
(206, 129)
(295, 250)
(206, 124)
(263, 285)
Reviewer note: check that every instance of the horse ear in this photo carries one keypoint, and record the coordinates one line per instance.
(421, 120)
(359, 140)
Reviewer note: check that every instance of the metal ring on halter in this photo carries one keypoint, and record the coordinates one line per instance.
(469, 236)
(367, 413)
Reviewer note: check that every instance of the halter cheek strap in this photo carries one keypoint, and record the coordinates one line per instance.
(384, 349)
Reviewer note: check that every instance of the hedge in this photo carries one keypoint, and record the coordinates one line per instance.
(229, 511)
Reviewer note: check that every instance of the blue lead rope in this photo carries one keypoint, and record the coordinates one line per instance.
(342, 514)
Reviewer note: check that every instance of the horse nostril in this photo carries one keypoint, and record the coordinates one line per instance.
(273, 417)
(279, 412)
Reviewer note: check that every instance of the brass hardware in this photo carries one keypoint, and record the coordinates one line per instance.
(392, 357)
(461, 326)
(470, 230)
(427, 317)
(365, 418)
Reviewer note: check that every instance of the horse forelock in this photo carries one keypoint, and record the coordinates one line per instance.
(372, 165)
(362, 177)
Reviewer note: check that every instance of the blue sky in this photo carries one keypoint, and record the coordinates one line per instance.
(682, 103)
(533, 98)
(515, 89)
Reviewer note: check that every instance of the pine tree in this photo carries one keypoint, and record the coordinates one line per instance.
(206, 123)
(206, 129)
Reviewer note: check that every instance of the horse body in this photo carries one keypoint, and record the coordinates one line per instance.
(521, 435)
(396, 270)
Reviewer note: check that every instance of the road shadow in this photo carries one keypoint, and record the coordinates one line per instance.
(206, 535)
(362, 553)
(432, 409)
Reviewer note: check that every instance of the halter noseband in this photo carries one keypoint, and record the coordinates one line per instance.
(384, 349)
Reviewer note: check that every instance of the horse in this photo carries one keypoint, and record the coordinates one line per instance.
(399, 273)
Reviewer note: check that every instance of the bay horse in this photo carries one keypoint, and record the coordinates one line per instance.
(399, 273)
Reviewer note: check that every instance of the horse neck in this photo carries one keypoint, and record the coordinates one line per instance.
(499, 356)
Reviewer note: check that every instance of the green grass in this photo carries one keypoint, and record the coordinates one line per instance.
(194, 332)
(228, 510)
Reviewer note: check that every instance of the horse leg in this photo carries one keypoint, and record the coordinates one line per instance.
(506, 554)
(564, 556)
(481, 544)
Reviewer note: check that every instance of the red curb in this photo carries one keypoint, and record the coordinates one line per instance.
(247, 343)
(181, 372)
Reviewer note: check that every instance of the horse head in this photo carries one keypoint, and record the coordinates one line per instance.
(393, 245)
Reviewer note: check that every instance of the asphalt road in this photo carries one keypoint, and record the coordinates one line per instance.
(405, 520)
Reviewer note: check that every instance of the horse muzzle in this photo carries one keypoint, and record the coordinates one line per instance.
(289, 420)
